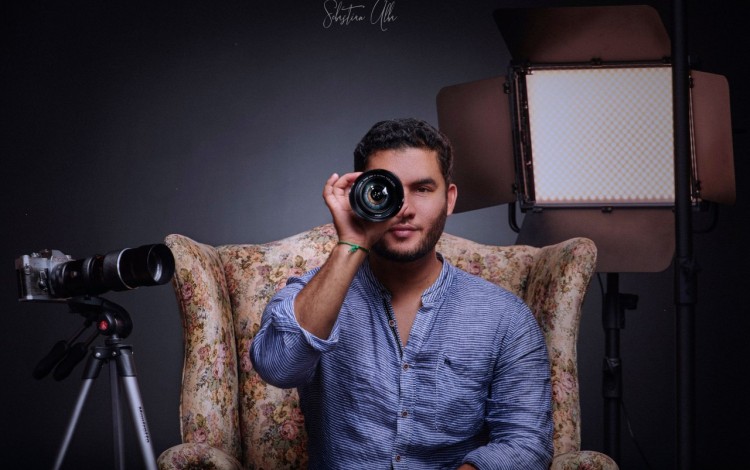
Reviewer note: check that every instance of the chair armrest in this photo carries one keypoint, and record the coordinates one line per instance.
(209, 397)
(557, 284)
(583, 460)
(196, 457)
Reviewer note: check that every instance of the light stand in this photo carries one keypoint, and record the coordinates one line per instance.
(613, 320)
(113, 321)
(685, 265)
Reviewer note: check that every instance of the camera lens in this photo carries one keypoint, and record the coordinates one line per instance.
(376, 195)
(147, 265)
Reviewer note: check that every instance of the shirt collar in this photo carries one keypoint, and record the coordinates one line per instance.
(434, 293)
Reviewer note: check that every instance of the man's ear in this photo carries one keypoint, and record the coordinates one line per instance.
(452, 196)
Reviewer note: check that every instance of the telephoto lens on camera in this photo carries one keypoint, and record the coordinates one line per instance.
(376, 195)
(51, 275)
(126, 269)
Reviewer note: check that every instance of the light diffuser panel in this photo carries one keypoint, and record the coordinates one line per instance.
(601, 136)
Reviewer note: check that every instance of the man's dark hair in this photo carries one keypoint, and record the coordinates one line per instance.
(402, 134)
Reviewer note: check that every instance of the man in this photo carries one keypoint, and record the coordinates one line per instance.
(400, 359)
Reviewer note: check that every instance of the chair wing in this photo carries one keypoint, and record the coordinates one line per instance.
(209, 402)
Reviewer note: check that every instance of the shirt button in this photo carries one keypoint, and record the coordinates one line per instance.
(404, 414)
(397, 458)
(406, 366)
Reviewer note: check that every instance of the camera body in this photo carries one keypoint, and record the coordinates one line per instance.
(376, 195)
(33, 274)
(50, 275)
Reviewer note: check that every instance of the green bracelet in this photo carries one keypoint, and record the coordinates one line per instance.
(354, 247)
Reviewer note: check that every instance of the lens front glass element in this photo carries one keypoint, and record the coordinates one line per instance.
(376, 196)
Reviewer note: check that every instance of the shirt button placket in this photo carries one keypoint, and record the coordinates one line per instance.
(403, 423)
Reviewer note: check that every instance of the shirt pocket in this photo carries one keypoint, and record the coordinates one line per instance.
(461, 388)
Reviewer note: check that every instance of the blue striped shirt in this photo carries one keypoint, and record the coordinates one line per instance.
(471, 385)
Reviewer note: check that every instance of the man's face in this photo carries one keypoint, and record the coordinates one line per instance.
(416, 229)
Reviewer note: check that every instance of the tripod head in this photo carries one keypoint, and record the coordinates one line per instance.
(109, 319)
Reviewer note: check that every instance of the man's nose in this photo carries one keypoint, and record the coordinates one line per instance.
(407, 209)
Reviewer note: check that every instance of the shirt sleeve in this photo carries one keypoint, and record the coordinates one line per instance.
(283, 353)
(519, 409)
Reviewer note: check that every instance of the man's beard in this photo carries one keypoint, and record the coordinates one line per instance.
(425, 247)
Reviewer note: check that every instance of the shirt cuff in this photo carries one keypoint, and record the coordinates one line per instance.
(288, 322)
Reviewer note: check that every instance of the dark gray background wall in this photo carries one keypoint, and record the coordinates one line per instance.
(123, 122)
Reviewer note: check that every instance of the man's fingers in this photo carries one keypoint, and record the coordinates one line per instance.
(345, 181)
(328, 188)
(339, 185)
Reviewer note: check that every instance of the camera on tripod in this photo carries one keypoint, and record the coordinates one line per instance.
(50, 275)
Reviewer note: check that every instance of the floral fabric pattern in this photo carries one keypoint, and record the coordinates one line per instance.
(222, 291)
(196, 456)
(209, 406)
(583, 460)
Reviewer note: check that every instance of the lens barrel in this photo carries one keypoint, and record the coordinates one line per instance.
(147, 265)
(376, 195)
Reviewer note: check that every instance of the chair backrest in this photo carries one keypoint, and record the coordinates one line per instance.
(223, 290)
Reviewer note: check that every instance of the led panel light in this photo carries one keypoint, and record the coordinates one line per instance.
(598, 136)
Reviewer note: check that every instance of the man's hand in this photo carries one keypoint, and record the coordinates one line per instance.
(349, 226)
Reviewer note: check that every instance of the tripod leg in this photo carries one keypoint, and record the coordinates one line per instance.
(118, 439)
(126, 368)
(91, 372)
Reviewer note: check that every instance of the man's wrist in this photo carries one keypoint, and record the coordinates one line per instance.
(354, 247)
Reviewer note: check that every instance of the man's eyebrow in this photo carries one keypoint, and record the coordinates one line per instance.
(425, 181)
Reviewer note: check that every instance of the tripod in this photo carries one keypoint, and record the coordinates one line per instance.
(113, 321)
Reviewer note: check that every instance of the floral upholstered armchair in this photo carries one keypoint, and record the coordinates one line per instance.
(231, 419)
